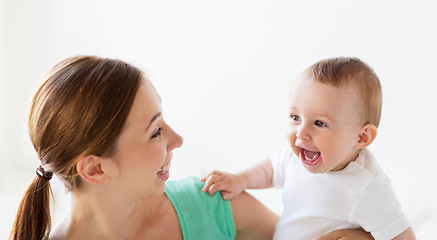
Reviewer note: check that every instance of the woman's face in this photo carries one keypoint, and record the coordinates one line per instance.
(144, 148)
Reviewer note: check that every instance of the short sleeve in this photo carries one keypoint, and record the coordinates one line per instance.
(379, 212)
(280, 161)
(200, 216)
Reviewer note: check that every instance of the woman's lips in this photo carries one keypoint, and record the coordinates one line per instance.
(164, 168)
(163, 172)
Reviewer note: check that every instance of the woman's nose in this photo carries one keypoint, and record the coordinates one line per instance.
(176, 140)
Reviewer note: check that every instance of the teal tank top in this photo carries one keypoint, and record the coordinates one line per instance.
(200, 216)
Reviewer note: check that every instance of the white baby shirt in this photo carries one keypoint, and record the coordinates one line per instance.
(314, 204)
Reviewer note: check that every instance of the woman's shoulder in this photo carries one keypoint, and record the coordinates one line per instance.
(187, 184)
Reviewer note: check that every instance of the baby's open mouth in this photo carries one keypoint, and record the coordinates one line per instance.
(310, 156)
(164, 169)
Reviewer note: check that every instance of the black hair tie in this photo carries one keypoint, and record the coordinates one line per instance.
(44, 174)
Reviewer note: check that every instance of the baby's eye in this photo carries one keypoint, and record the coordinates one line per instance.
(319, 123)
(157, 133)
(294, 117)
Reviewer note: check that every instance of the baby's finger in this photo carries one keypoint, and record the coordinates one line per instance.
(209, 181)
(205, 176)
(227, 195)
(215, 187)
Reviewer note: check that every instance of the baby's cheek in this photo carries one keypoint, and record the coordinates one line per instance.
(291, 143)
(291, 135)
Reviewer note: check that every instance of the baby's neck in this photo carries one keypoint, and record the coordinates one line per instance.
(353, 157)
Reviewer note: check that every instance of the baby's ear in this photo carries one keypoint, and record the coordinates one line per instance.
(367, 134)
(90, 169)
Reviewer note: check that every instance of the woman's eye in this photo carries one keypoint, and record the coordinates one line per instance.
(294, 117)
(320, 123)
(157, 133)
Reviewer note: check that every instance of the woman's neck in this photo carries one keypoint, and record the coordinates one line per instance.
(97, 216)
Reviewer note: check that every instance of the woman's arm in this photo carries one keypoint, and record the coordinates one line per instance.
(347, 234)
(408, 234)
(252, 219)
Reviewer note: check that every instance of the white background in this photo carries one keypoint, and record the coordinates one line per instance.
(223, 69)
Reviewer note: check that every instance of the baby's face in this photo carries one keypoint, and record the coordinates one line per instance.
(324, 125)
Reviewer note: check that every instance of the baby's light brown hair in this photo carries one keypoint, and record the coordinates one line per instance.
(342, 71)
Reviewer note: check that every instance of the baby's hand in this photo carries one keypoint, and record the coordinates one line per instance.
(230, 185)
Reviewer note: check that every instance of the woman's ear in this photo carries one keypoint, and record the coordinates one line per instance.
(367, 134)
(91, 171)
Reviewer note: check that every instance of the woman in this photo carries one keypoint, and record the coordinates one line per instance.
(97, 124)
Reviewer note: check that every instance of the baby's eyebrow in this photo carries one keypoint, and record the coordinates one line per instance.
(315, 115)
(291, 109)
(325, 116)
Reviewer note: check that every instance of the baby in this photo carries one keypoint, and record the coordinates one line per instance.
(330, 180)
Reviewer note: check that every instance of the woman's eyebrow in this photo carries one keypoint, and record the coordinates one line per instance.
(153, 119)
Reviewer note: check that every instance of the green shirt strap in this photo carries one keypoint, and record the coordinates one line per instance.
(200, 216)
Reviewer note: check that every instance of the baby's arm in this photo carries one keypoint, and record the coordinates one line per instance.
(230, 185)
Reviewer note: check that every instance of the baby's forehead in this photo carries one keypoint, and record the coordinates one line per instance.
(343, 84)
(349, 91)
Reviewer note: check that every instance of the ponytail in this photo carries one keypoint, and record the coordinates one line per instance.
(33, 221)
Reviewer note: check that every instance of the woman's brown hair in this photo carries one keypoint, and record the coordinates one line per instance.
(80, 109)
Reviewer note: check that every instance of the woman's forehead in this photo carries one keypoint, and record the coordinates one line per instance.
(146, 105)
